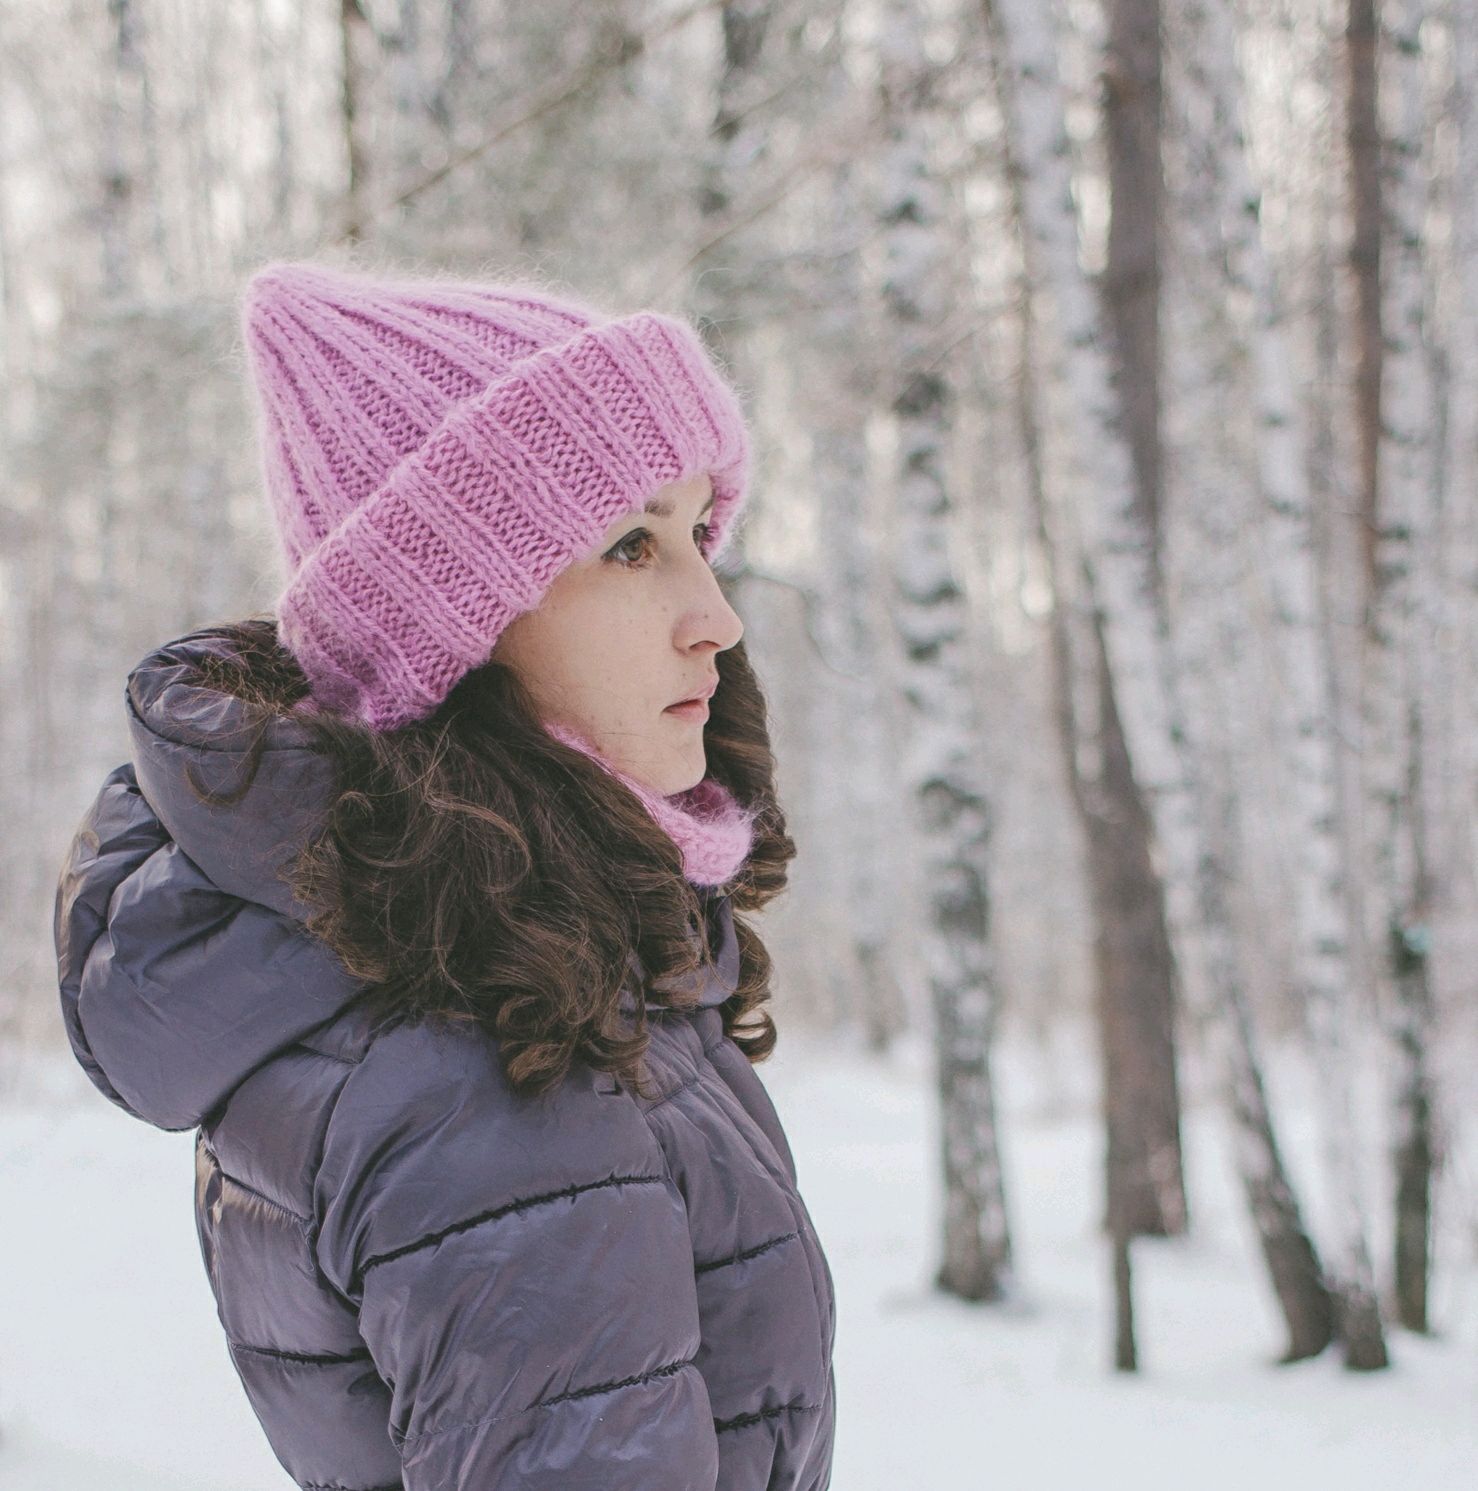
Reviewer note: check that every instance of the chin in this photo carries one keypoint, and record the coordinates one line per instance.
(674, 772)
(681, 780)
(694, 778)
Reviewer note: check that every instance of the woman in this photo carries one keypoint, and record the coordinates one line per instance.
(418, 900)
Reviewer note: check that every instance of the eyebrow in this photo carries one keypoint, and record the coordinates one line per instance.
(660, 509)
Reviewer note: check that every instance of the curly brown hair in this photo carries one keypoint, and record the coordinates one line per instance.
(473, 868)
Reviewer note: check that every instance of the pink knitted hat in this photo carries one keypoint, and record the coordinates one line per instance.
(437, 452)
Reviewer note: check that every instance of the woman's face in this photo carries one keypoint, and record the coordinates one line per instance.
(627, 630)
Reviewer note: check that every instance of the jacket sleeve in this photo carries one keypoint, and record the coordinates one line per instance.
(523, 1275)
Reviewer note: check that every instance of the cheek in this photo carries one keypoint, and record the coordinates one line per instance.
(608, 646)
(605, 663)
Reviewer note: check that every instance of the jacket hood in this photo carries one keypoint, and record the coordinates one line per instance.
(180, 727)
(182, 959)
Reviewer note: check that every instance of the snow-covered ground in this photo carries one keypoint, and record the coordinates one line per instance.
(114, 1374)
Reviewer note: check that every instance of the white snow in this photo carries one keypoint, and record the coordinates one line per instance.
(114, 1372)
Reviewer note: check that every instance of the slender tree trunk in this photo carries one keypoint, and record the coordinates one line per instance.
(738, 141)
(858, 802)
(942, 770)
(355, 37)
(118, 189)
(1135, 967)
(1117, 552)
(1365, 252)
(1126, 1354)
(738, 135)
(268, 63)
(1326, 972)
(1397, 649)
(458, 56)
(1457, 543)
(725, 174)
(1089, 733)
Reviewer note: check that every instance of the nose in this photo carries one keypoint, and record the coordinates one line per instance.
(708, 616)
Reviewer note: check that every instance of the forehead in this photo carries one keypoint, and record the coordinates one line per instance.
(663, 501)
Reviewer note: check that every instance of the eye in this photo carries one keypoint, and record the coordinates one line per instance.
(622, 553)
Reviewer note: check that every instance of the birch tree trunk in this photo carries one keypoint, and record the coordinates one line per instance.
(1146, 1187)
(356, 38)
(267, 66)
(1397, 689)
(458, 60)
(1329, 993)
(942, 769)
(1458, 541)
(738, 140)
(1363, 131)
(858, 804)
(1116, 550)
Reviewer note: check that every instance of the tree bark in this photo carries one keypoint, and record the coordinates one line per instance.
(1327, 994)
(354, 36)
(1397, 651)
(942, 769)
(1363, 132)
(1135, 967)
(1116, 552)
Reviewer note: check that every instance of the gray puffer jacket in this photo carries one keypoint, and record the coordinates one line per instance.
(424, 1279)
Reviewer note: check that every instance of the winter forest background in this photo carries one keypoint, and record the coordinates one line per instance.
(1113, 573)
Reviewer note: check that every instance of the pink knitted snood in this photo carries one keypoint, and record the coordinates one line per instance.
(706, 821)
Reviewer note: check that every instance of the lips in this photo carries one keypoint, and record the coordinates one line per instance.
(702, 695)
